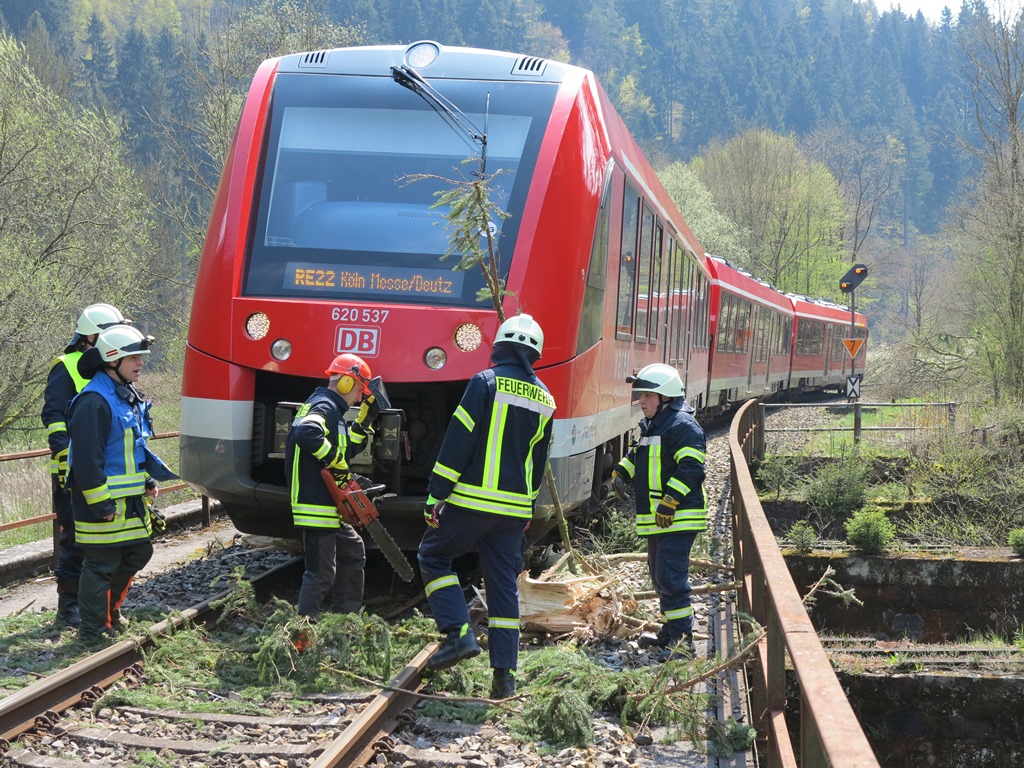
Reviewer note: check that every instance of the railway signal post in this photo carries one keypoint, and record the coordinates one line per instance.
(848, 284)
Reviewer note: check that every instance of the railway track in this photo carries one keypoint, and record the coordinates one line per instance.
(352, 729)
(61, 721)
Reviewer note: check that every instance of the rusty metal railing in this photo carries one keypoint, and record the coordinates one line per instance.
(50, 516)
(830, 735)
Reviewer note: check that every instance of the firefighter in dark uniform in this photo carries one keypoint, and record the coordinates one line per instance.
(667, 467)
(62, 384)
(112, 471)
(320, 437)
(482, 492)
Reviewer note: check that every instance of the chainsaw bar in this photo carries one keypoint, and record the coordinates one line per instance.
(390, 550)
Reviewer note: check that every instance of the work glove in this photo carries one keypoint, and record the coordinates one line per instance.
(338, 468)
(157, 520)
(619, 483)
(368, 411)
(61, 457)
(432, 512)
(665, 512)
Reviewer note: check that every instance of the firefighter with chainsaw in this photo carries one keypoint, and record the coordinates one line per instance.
(482, 492)
(321, 438)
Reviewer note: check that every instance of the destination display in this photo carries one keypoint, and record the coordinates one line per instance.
(342, 279)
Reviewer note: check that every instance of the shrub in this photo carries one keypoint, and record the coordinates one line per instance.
(776, 473)
(802, 537)
(1016, 541)
(870, 531)
(837, 488)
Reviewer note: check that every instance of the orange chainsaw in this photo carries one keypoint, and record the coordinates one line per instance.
(354, 505)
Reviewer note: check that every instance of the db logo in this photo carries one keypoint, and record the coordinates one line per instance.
(364, 342)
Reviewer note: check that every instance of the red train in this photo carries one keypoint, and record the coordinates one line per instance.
(319, 244)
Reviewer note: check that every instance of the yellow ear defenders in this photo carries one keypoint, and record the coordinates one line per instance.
(345, 384)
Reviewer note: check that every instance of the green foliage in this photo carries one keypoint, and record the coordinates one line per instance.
(837, 488)
(1016, 541)
(560, 718)
(616, 532)
(870, 531)
(802, 537)
(730, 737)
(776, 473)
(75, 228)
(717, 232)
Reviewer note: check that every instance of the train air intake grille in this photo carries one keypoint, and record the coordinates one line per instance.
(529, 65)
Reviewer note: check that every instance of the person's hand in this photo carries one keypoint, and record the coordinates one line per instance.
(157, 520)
(338, 468)
(432, 512)
(619, 484)
(368, 411)
(61, 457)
(665, 512)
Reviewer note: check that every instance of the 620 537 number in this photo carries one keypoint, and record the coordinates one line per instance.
(359, 314)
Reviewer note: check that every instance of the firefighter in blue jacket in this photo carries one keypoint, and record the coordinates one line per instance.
(111, 472)
(62, 384)
(320, 437)
(667, 467)
(482, 492)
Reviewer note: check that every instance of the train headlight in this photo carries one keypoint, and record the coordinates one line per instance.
(281, 349)
(435, 358)
(468, 337)
(421, 55)
(257, 326)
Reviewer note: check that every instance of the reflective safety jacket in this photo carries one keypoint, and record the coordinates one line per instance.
(319, 436)
(496, 447)
(62, 384)
(109, 425)
(669, 460)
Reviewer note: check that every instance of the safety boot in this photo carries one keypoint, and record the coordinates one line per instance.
(679, 648)
(118, 623)
(458, 645)
(503, 684)
(67, 602)
(651, 640)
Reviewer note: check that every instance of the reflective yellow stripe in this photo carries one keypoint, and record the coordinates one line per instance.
(678, 613)
(500, 623)
(463, 416)
(96, 495)
(57, 426)
(689, 452)
(446, 472)
(440, 583)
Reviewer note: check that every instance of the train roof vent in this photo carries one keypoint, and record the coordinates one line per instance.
(529, 65)
(317, 59)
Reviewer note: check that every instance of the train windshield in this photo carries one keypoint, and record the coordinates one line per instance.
(351, 172)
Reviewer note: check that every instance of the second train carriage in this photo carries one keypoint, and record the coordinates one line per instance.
(324, 239)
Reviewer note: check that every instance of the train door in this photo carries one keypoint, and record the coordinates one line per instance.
(827, 343)
(771, 319)
(671, 314)
(755, 345)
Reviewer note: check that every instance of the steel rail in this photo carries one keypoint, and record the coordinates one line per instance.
(830, 735)
(20, 710)
(356, 745)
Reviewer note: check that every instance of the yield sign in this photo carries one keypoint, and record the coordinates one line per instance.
(853, 346)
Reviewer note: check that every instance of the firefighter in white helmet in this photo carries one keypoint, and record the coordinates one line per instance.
(482, 492)
(111, 472)
(62, 384)
(667, 468)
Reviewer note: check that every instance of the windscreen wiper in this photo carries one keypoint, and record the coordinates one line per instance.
(451, 114)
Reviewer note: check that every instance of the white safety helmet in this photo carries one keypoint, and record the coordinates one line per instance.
(96, 317)
(660, 378)
(522, 329)
(122, 341)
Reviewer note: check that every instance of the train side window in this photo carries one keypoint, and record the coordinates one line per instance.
(725, 323)
(644, 292)
(657, 296)
(627, 262)
(592, 316)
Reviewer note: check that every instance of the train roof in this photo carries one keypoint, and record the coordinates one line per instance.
(825, 309)
(429, 59)
(738, 281)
